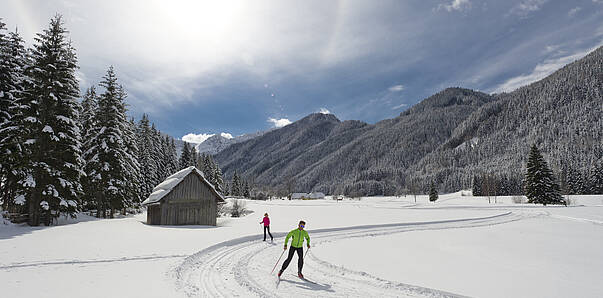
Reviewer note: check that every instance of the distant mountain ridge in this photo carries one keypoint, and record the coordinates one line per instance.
(446, 139)
(217, 143)
(319, 152)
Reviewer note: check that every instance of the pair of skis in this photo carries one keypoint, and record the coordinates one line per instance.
(300, 277)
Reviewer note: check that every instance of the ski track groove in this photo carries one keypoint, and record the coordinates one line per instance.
(93, 261)
(227, 269)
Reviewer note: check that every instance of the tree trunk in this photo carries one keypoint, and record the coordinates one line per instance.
(34, 208)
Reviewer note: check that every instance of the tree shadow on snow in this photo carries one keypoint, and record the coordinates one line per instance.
(189, 227)
(9, 230)
(13, 230)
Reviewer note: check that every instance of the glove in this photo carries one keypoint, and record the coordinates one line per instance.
(285, 247)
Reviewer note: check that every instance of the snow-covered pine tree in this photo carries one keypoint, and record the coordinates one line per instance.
(207, 167)
(171, 163)
(165, 152)
(158, 156)
(133, 170)
(173, 157)
(540, 186)
(187, 158)
(235, 187)
(87, 123)
(88, 110)
(597, 179)
(7, 84)
(433, 193)
(219, 180)
(108, 159)
(53, 139)
(227, 188)
(246, 190)
(13, 60)
(195, 156)
(147, 165)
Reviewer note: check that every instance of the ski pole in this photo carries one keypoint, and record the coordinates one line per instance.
(279, 259)
(306, 253)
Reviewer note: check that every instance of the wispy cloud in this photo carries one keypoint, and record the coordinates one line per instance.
(279, 122)
(196, 138)
(324, 111)
(526, 7)
(396, 88)
(400, 106)
(574, 11)
(540, 71)
(551, 48)
(458, 5)
(200, 138)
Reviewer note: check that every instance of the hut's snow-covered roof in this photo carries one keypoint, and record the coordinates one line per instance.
(170, 182)
(317, 195)
(299, 195)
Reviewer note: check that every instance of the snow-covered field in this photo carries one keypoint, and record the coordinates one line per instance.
(378, 246)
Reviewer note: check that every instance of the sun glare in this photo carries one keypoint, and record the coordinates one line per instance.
(203, 21)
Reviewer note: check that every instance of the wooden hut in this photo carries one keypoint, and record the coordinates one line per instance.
(185, 198)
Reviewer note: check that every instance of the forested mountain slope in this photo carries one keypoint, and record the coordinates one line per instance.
(562, 114)
(320, 152)
(447, 139)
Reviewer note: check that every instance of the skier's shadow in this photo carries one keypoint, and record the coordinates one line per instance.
(309, 285)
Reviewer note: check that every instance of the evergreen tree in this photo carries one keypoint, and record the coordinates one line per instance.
(219, 181)
(246, 190)
(207, 167)
(235, 189)
(540, 187)
(433, 193)
(88, 109)
(87, 122)
(133, 171)
(227, 189)
(158, 156)
(52, 141)
(172, 156)
(186, 157)
(13, 61)
(109, 162)
(145, 157)
(596, 179)
(477, 185)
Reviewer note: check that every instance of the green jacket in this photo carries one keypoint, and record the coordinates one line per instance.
(298, 238)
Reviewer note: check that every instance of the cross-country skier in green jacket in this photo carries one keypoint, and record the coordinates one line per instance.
(297, 242)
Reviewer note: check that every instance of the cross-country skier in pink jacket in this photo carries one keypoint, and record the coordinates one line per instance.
(266, 222)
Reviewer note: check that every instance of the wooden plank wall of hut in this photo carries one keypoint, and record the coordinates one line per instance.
(191, 202)
(154, 214)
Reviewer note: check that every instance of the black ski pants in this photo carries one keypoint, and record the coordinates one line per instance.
(267, 228)
(300, 258)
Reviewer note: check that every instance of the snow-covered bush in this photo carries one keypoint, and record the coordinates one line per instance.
(221, 210)
(238, 208)
(569, 201)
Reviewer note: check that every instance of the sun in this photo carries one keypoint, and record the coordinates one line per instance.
(202, 21)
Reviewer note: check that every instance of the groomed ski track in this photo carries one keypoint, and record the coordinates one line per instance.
(241, 267)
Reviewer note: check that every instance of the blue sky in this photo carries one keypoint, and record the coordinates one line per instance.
(206, 67)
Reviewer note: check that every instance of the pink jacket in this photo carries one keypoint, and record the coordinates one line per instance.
(266, 221)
